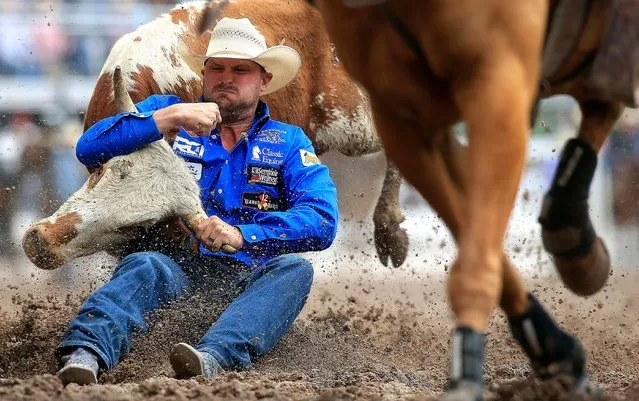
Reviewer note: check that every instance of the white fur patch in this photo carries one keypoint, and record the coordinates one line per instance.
(143, 48)
(351, 135)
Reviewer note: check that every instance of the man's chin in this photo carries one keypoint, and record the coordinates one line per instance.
(221, 98)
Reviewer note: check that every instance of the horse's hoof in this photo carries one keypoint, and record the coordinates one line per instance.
(391, 242)
(463, 391)
(585, 275)
(592, 391)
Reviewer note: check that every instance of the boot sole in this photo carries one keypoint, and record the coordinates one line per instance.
(186, 361)
(78, 374)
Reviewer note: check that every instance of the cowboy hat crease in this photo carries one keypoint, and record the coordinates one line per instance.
(239, 39)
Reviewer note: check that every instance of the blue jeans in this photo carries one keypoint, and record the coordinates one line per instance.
(272, 296)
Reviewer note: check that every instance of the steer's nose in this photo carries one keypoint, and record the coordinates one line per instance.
(39, 249)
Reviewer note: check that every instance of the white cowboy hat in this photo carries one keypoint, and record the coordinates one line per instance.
(239, 39)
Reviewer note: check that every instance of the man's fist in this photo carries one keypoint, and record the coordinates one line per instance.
(198, 119)
(213, 233)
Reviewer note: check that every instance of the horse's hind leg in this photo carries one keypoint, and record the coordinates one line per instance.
(580, 256)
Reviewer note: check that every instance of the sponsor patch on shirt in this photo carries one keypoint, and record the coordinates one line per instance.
(186, 147)
(261, 201)
(267, 155)
(272, 136)
(308, 158)
(263, 175)
(195, 169)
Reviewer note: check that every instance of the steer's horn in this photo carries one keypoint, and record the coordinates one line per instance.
(123, 101)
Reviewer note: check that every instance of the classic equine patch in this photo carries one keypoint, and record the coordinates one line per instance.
(261, 201)
(263, 175)
(267, 155)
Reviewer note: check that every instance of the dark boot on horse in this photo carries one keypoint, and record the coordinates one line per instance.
(466, 381)
(580, 256)
(552, 351)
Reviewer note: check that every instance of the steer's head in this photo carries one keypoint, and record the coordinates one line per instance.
(125, 194)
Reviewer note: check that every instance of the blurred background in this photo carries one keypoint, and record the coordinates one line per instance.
(52, 51)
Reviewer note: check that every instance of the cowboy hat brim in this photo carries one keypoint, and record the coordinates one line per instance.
(282, 61)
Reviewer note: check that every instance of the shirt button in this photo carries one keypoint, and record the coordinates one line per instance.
(214, 136)
(253, 237)
(219, 191)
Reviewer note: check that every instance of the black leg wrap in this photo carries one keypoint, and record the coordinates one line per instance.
(564, 217)
(467, 357)
(551, 350)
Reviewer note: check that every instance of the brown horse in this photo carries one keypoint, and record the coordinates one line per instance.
(427, 65)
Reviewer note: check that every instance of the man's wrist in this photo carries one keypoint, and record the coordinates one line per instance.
(241, 236)
(165, 121)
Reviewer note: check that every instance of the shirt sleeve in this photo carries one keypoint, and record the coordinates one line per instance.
(123, 133)
(310, 222)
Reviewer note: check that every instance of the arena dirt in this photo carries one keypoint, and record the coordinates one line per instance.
(367, 332)
(359, 338)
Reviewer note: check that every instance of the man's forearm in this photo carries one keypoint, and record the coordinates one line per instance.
(116, 136)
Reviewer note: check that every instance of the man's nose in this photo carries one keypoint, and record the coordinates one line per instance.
(226, 77)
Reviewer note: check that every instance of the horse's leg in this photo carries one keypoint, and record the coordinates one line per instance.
(494, 97)
(580, 256)
(546, 345)
(438, 175)
(391, 240)
(495, 103)
(514, 298)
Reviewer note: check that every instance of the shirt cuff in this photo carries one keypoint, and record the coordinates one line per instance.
(252, 232)
(144, 125)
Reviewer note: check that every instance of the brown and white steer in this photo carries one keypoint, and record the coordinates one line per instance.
(323, 100)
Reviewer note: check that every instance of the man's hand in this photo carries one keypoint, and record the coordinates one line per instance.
(213, 233)
(198, 119)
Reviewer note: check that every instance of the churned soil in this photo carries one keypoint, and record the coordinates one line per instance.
(360, 337)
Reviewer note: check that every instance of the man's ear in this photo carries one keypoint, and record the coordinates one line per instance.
(266, 78)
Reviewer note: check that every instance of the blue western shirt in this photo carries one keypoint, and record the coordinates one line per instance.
(270, 185)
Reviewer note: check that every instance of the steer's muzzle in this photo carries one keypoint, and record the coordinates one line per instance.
(43, 241)
(40, 250)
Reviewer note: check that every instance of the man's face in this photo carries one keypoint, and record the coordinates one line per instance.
(235, 85)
